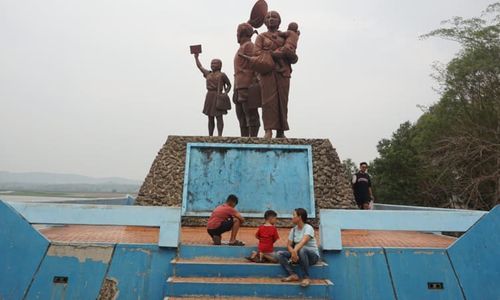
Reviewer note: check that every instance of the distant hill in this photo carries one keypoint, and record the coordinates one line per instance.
(57, 178)
(44, 181)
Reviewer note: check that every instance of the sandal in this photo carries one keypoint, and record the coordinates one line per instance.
(305, 282)
(236, 243)
(290, 278)
(216, 239)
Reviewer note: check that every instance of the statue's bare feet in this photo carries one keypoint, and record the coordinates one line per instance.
(280, 134)
(268, 135)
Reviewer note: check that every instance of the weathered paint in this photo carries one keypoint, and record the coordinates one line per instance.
(277, 177)
(476, 258)
(412, 270)
(167, 218)
(22, 249)
(82, 265)
(359, 273)
(141, 270)
(332, 221)
(82, 252)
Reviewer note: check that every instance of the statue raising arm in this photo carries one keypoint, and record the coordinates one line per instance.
(199, 65)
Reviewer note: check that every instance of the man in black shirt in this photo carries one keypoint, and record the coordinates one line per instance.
(362, 187)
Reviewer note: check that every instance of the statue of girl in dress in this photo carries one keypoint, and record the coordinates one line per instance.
(217, 82)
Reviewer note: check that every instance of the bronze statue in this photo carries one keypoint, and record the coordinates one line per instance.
(218, 85)
(245, 82)
(275, 84)
(291, 37)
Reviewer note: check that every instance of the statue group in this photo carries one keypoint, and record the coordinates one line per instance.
(262, 72)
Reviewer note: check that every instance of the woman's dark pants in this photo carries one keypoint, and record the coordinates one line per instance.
(307, 258)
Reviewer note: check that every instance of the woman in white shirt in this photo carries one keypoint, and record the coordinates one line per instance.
(302, 248)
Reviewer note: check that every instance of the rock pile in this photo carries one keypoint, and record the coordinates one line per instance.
(163, 185)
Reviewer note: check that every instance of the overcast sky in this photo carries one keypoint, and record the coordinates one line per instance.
(95, 87)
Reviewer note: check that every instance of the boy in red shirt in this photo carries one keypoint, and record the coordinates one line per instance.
(225, 218)
(267, 235)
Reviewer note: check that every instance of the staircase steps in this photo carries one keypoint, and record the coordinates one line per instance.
(209, 272)
(245, 286)
(235, 298)
(236, 267)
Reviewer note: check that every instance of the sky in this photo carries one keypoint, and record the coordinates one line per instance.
(95, 87)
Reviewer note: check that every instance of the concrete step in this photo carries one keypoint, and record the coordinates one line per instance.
(236, 267)
(248, 286)
(236, 298)
(223, 251)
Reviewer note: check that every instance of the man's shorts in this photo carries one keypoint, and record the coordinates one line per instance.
(225, 226)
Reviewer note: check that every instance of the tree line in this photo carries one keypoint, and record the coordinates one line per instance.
(450, 157)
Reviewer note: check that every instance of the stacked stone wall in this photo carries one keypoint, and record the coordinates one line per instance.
(163, 185)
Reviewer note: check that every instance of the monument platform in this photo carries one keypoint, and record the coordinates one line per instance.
(159, 248)
(129, 252)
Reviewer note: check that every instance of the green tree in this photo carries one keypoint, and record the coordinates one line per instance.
(396, 173)
(465, 150)
(451, 155)
(350, 168)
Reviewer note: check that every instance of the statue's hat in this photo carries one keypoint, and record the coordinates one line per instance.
(258, 14)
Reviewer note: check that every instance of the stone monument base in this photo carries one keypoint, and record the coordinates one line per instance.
(165, 183)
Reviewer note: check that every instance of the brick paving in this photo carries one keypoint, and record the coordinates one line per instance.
(199, 236)
(101, 234)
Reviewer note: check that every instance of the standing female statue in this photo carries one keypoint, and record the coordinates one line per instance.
(275, 84)
(217, 83)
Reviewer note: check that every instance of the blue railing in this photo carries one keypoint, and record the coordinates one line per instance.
(168, 219)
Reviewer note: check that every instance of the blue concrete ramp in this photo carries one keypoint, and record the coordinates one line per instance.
(22, 249)
(476, 258)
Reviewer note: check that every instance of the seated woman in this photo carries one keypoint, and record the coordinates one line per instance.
(302, 248)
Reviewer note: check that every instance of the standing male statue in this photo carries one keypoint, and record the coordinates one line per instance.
(245, 83)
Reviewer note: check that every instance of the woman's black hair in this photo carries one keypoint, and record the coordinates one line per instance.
(302, 213)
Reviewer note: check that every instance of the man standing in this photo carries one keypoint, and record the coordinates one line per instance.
(244, 77)
(362, 187)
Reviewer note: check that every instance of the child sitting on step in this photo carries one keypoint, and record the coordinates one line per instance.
(267, 234)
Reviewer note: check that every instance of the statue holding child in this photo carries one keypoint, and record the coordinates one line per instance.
(275, 52)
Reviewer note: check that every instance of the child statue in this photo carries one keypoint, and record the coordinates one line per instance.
(217, 84)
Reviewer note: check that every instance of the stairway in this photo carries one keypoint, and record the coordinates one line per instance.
(205, 272)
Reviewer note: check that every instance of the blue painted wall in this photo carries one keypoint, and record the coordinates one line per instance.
(84, 266)
(22, 249)
(413, 269)
(277, 177)
(359, 273)
(476, 258)
(141, 271)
